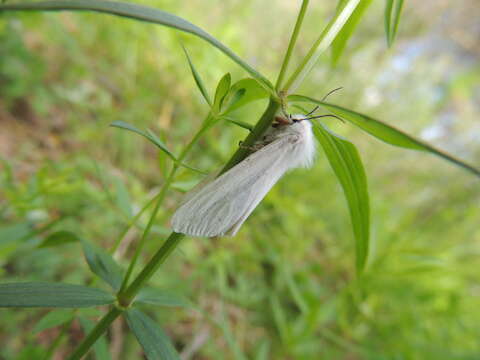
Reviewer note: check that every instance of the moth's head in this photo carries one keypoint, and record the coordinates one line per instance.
(289, 120)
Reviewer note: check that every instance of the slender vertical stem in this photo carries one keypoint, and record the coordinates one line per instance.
(97, 331)
(320, 45)
(126, 296)
(160, 198)
(291, 44)
(159, 258)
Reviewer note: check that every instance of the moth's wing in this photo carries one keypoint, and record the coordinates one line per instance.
(221, 206)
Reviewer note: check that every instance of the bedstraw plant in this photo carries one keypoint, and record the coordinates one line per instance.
(128, 285)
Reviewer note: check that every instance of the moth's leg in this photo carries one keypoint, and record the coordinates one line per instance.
(255, 147)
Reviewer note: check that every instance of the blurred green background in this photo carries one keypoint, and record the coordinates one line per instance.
(285, 286)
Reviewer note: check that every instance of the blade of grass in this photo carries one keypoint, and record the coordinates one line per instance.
(198, 79)
(338, 45)
(143, 13)
(384, 132)
(321, 44)
(291, 44)
(393, 10)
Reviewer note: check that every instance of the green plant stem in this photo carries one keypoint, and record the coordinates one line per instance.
(291, 44)
(125, 297)
(261, 126)
(159, 258)
(97, 331)
(160, 198)
(320, 45)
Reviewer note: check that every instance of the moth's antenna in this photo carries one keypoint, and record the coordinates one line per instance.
(327, 115)
(331, 92)
(323, 99)
(314, 109)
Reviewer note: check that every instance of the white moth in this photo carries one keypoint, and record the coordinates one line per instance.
(222, 205)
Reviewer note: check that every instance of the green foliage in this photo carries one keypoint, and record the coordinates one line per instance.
(154, 341)
(347, 165)
(286, 286)
(43, 294)
(393, 10)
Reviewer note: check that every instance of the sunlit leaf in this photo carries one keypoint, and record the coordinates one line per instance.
(198, 79)
(384, 132)
(154, 341)
(393, 10)
(102, 264)
(138, 12)
(253, 92)
(222, 90)
(347, 165)
(338, 45)
(45, 294)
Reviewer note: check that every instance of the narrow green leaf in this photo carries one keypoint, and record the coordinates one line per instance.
(241, 124)
(384, 132)
(59, 238)
(143, 13)
(393, 10)
(52, 319)
(198, 79)
(233, 99)
(147, 135)
(155, 343)
(338, 45)
(160, 297)
(45, 294)
(222, 90)
(321, 44)
(253, 92)
(100, 347)
(101, 263)
(347, 166)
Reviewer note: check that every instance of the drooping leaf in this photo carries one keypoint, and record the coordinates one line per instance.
(384, 132)
(138, 12)
(52, 319)
(45, 294)
(393, 10)
(221, 91)
(149, 135)
(154, 341)
(198, 79)
(100, 347)
(59, 238)
(347, 166)
(101, 263)
(160, 297)
(338, 45)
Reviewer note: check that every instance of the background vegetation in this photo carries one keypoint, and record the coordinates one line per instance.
(285, 286)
